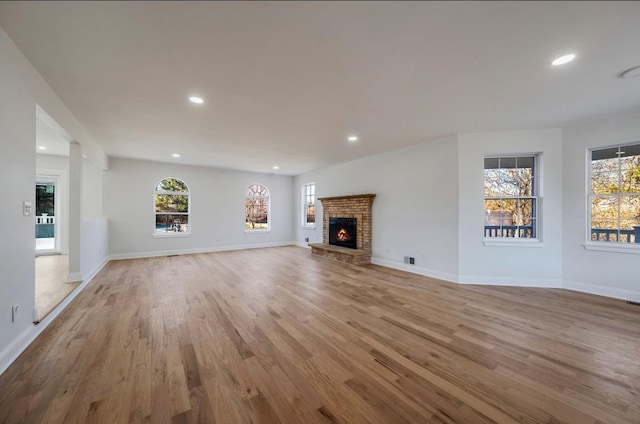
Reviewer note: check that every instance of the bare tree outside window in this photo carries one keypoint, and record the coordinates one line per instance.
(510, 201)
(309, 218)
(256, 205)
(615, 194)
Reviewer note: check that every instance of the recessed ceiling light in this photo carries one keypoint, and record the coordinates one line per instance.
(196, 100)
(563, 59)
(42, 148)
(353, 138)
(631, 73)
(176, 155)
(276, 167)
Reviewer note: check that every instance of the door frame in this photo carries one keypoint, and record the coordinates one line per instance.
(57, 176)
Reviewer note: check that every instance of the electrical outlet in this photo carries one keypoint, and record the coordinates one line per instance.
(14, 313)
(406, 259)
(412, 261)
(306, 239)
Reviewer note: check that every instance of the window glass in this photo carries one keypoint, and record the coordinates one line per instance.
(256, 207)
(172, 202)
(510, 201)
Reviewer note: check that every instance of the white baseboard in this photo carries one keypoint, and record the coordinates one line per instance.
(20, 343)
(136, 255)
(303, 244)
(89, 275)
(416, 270)
(465, 279)
(511, 281)
(616, 293)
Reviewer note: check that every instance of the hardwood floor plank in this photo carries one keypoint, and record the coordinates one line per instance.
(277, 335)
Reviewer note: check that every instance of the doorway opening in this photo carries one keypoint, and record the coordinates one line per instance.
(51, 215)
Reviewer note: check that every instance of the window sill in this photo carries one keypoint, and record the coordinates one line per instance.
(633, 248)
(513, 243)
(309, 227)
(171, 235)
(256, 231)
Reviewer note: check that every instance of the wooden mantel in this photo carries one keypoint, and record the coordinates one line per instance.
(351, 196)
(356, 206)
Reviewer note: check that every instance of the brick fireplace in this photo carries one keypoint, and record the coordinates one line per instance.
(357, 207)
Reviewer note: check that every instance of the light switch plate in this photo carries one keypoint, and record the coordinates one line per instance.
(26, 208)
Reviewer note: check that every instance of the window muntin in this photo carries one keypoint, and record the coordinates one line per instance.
(510, 197)
(256, 206)
(172, 205)
(309, 205)
(614, 195)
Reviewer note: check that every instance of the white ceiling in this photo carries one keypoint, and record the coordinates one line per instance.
(51, 139)
(286, 82)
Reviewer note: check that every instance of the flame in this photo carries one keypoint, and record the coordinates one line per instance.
(342, 235)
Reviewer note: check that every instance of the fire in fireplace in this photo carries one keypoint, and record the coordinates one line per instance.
(342, 232)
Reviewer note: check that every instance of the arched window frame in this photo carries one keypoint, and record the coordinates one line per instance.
(167, 222)
(257, 197)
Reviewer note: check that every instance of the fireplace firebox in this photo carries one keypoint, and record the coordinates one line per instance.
(342, 232)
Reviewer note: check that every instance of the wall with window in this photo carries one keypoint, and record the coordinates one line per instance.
(415, 212)
(511, 261)
(597, 271)
(216, 213)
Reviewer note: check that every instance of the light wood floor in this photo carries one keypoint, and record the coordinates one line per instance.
(51, 282)
(275, 335)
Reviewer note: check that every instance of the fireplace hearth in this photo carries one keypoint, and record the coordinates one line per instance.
(343, 232)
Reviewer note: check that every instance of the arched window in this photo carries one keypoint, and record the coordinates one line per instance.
(172, 207)
(256, 208)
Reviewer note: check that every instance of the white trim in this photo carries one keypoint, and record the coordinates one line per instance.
(171, 235)
(303, 244)
(513, 243)
(22, 342)
(613, 292)
(62, 186)
(482, 280)
(440, 275)
(633, 248)
(136, 255)
(257, 231)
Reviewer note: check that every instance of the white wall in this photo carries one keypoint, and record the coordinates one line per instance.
(94, 234)
(58, 166)
(92, 191)
(217, 208)
(22, 88)
(607, 273)
(17, 166)
(483, 264)
(415, 211)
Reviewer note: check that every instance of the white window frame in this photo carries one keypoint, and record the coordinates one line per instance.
(305, 198)
(268, 197)
(607, 246)
(536, 189)
(187, 233)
